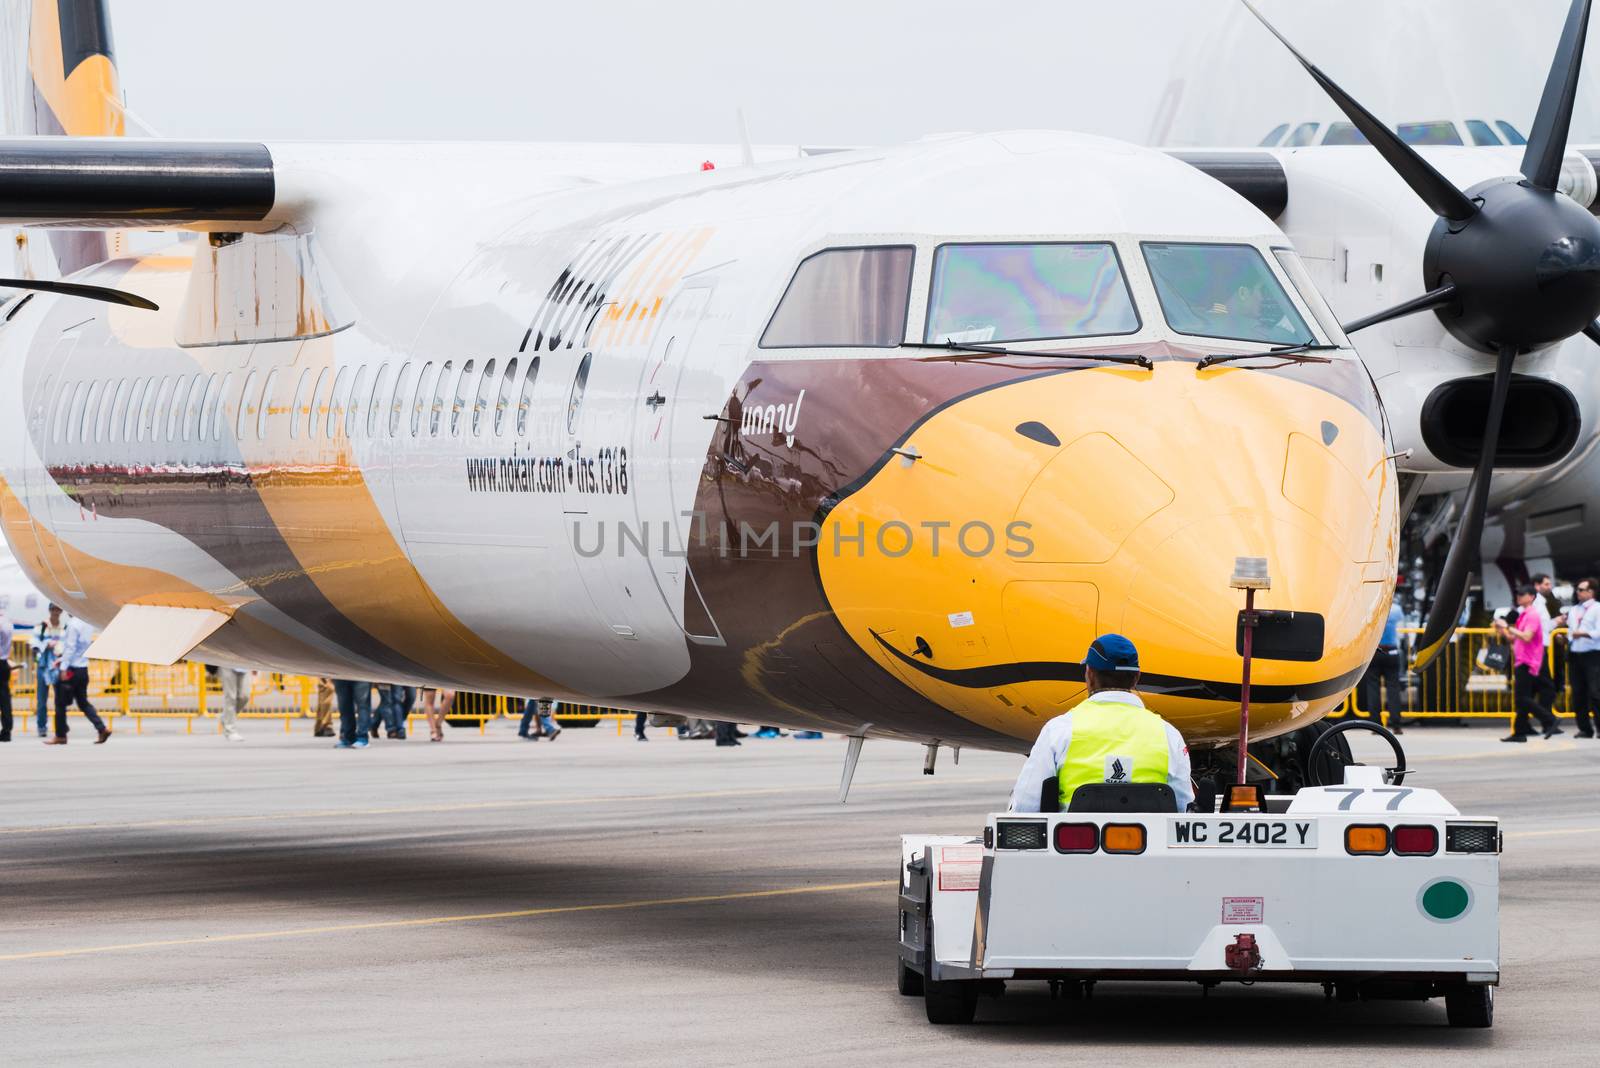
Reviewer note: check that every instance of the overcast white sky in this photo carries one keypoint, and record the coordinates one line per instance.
(818, 71)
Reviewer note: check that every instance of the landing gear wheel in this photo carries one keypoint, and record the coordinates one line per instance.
(1468, 1006)
(950, 1001)
(907, 981)
(1396, 774)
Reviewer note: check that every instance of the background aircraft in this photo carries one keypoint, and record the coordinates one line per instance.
(1444, 82)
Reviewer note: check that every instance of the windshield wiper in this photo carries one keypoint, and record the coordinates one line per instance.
(996, 350)
(1296, 353)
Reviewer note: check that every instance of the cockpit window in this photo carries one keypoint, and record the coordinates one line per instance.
(1512, 135)
(1344, 133)
(845, 297)
(1272, 139)
(1481, 132)
(1429, 133)
(1223, 291)
(996, 293)
(1303, 135)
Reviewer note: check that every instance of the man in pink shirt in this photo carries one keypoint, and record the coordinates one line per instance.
(1532, 684)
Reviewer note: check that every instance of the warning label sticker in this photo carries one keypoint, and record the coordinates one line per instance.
(1244, 910)
(960, 867)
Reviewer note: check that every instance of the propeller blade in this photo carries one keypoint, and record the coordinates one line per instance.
(1435, 189)
(1434, 298)
(1547, 141)
(1592, 332)
(77, 289)
(1452, 592)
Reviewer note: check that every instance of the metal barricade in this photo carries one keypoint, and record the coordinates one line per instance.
(1457, 685)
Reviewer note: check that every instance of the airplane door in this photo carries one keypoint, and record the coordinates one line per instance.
(48, 500)
(667, 456)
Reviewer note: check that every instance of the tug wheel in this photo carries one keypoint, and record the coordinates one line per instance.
(946, 1001)
(950, 1001)
(907, 981)
(1396, 774)
(1470, 1006)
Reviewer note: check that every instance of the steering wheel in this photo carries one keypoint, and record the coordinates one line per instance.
(1396, 774)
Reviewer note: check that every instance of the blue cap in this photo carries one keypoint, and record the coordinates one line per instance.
(1112, 652)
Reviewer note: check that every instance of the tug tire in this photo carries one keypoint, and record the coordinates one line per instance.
(950, 1001)
(1470, 1006)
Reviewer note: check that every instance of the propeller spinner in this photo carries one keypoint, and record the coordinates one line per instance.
(1512, 265)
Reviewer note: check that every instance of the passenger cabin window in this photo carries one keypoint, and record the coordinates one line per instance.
(180, 398)
(402, 386)
(219, 424)
(845, 297)
(463, 385)
(63, 401)
(352, 414)
(503, 402)
(158, 411)
(480, 403)
(130, 425)
(436, 416)
(580, 386)
(377, 406)
(420, 402)
(999, 293)
(336, 402)
(301, 401)
(102, 422)
(525, 398)
(265, 406)
(90, 410)
(119, 411)
(247, 411)
(80, 408)
(1223, 291)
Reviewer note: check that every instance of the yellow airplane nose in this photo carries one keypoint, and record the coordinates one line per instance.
(1017, 523)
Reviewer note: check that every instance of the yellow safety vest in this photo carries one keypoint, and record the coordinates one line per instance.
(1113, 742)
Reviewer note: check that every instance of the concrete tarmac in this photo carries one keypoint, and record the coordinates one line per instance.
(169, 900)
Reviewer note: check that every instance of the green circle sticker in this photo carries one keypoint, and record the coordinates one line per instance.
(1444, 900)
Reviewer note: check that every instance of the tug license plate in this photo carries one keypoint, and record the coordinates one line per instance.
(1245, 834)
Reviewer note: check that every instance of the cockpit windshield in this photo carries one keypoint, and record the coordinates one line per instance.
(1223, 291)
(1027, 292)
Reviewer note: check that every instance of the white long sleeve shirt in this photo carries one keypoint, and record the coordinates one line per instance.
(1050, 751)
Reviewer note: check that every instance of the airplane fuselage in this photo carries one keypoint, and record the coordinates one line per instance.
(518, 431)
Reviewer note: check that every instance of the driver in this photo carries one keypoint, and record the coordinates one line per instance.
(1108, 737)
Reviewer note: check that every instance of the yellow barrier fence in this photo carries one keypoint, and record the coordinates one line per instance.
(1456, 685)
(189, 692)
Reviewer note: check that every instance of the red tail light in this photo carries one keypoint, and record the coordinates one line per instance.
(1077, 838)
(1416, 841)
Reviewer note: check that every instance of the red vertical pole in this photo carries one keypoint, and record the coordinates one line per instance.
(1244, 688)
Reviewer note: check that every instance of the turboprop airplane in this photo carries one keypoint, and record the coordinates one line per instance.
(873, 441)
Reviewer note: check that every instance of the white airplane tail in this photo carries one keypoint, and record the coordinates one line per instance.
(60, 79)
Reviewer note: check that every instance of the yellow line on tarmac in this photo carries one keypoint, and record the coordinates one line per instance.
(434, 921)
(469, 806)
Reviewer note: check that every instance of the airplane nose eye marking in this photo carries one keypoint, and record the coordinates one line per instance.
(923, 648)
(1329, 432)
(1039, 432)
